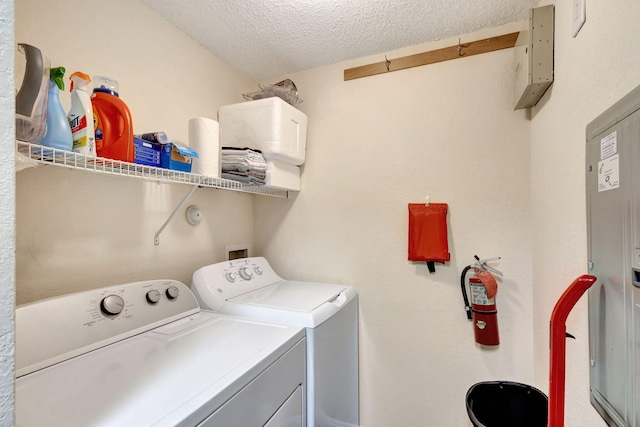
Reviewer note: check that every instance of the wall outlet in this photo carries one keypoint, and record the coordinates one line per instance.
(579, 15)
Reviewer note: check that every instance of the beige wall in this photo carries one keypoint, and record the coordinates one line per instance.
(446, 130)
(369, 155)
(592, 71)
(7, 213)
(77, 230)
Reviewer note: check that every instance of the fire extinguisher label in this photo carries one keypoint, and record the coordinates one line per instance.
(481, 324)
(479, 295)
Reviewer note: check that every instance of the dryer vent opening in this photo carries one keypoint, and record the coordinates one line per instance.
(237, 251)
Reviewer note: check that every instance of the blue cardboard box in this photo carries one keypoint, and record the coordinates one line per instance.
(177, 157)
(146, 152)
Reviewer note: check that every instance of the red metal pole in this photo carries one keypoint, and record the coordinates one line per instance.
(558, 347)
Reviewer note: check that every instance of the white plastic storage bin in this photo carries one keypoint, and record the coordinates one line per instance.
(270, 125)
(283, 175)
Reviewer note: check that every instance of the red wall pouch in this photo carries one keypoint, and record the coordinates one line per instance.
(428, 240)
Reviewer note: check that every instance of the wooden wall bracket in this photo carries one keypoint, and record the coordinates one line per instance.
(425, 58)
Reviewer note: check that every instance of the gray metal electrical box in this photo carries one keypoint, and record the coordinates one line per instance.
(613, 235)
(533, 55)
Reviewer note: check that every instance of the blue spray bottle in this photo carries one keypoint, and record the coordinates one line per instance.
(58, 132)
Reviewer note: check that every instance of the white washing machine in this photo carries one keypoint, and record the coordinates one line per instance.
(250, 288)
(144, 354)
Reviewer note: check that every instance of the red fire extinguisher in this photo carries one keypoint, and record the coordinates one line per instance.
(482, 311)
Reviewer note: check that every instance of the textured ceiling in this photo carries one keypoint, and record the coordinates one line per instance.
(270, 38)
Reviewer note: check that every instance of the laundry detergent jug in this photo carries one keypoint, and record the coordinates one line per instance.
(112, 121)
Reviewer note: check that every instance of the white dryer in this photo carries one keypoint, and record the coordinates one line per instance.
(144, 354)
(250, 288)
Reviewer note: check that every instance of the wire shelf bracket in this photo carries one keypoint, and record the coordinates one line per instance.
(156, 237)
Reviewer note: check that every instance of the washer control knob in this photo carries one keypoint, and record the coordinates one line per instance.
(258, 270)
(112, 305)
(172, 292)
(153, 296)
(231, 277)
(245, 273)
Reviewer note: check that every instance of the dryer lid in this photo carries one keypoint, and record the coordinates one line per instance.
(291, 295)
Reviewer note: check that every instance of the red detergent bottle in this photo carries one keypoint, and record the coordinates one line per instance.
(112, 121)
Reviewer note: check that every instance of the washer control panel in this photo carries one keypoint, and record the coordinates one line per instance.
(54, 329)
(242, 270)
(216, 283)
(245, 272)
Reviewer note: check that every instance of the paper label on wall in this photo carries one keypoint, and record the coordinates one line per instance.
(609, 145)
(609, 173)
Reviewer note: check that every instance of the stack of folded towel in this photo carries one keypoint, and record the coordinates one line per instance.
(244, 165)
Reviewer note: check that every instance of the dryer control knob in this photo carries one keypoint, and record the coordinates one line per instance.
(153, 296)
(112, 305)
(172, 292)
(231, 277)
(245, 273)
(258, 270)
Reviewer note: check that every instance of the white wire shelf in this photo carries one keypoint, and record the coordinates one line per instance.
(71, 160)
